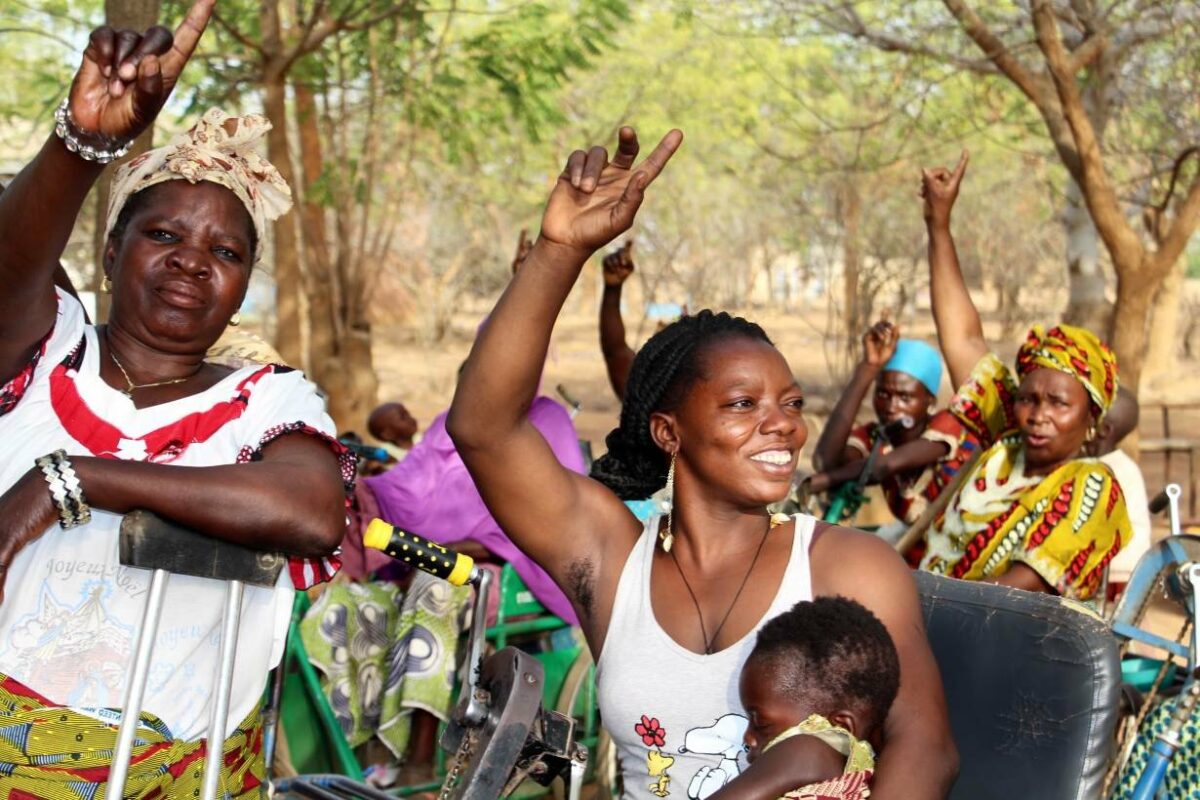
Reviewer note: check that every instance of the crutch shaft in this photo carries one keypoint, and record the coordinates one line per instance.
(219, 716)
(135, 690)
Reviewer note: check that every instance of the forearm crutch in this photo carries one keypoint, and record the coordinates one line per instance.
(150, 542)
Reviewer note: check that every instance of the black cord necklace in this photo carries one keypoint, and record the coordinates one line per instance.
(708, 642)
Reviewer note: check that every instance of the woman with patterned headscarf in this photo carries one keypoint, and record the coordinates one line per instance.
(1035, 512)
(131, 415)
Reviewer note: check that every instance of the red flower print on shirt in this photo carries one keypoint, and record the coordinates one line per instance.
(653, 734)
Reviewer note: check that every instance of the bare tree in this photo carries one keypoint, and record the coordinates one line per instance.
(1067, 60)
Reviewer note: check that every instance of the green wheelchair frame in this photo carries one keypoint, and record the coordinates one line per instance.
(569, 687)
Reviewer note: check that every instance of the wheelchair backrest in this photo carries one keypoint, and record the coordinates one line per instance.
(1032, 684)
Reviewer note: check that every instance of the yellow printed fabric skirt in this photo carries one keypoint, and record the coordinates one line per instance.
(52, 753)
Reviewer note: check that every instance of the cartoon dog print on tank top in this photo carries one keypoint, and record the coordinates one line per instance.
(723, 740)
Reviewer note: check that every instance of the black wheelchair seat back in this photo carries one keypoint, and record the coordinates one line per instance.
(1032, 683)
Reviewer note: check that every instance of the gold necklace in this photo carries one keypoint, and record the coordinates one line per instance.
(130, 386)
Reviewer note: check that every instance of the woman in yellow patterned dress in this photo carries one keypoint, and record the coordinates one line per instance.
(1034, 512)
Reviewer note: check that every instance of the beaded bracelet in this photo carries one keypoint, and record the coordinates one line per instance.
(65, 489)
(66, 129)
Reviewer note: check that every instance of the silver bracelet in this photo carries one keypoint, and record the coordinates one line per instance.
(66, 129)
(65, 489)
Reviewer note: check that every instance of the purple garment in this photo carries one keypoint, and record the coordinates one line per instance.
(430, 493)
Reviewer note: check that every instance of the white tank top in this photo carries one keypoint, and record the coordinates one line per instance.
(674, 715)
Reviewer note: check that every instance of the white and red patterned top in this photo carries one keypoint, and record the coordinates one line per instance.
(70, 610)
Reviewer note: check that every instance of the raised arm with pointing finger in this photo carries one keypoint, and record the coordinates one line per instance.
(594, 200)
(960, 332)
(712, 412)
(1029, 514)
(97, 421)
(122, 83)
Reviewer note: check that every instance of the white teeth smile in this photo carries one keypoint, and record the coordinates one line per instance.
(780, 457)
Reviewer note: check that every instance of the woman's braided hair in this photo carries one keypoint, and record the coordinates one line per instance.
(663, 370)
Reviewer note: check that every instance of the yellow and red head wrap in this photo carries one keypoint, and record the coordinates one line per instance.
(220, 149)
(1077, 352)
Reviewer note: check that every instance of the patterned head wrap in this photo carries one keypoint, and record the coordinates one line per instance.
(220, 149)
(1077, 352)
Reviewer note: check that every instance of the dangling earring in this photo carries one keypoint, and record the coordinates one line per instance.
(1091, 434)
(106, 285)
(668, 538)
(236, 319)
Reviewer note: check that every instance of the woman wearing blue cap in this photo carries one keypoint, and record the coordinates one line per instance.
(921, 450)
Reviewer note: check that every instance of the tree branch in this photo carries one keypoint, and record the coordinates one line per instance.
(317, 10)
(1088, 53)
(1180, 160)
(851, 24)
(1185, 222)
(1122, 241)
(237, 35)
(383, 16)
(996, 51)
(37, 32)
(315, 34)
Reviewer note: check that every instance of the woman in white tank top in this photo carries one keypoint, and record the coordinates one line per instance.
(712, 407)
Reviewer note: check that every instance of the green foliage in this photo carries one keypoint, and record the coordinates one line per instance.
(40, 45)
(444, 125)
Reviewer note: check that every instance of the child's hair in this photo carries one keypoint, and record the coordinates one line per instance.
(662, 372)
(834, 653)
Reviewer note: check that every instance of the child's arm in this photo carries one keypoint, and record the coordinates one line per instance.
(795, 762)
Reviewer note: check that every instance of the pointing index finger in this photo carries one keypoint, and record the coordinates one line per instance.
(962, 165)
(658, 158)
(187, 35)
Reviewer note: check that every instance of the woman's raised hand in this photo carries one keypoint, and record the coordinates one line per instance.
(879, 343)
(126, 77)
(939, 188)
(595, 200)
(618, 265)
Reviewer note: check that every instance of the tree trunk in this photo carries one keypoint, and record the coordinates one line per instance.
(1087, 305)
(1136, 286)
(288, 279)
(134, 15)
(850, 211)
(350, 380)
(322, 322)
(1164, 325)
